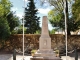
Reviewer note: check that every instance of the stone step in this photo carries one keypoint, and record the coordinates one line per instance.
(44, 55)
(45, 58)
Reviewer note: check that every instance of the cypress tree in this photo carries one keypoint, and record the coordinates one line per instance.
(31, 18)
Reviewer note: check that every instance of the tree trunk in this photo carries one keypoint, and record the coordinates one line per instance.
(67, 18)
(68, 32)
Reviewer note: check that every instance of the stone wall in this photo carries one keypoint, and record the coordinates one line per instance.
(31, 41)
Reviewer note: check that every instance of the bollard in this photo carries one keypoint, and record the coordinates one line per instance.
(14, 54)
(76, 54)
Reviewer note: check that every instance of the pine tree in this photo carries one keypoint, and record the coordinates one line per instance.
(31, 18)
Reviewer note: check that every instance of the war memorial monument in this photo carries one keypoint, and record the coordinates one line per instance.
(45, 52)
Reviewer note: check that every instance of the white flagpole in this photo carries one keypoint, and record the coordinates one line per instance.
(23, 29)
(65, 26)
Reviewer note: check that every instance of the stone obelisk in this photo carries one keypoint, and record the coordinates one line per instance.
(45, 40)
(45, 52)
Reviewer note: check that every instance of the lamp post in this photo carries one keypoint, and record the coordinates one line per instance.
(23, 29)
(66, 18)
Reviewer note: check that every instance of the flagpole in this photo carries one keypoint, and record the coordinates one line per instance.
(23, 29)
(65, 14)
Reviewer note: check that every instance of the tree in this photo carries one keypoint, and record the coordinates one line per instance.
(56, 19)
(4, 29)
(20, 30)
(52, 31)
(8, 20)
(76, 12)
(31, 19)
(56, 16)
(13, 20)
(1, 10)
(9, 15)
(38, 31)
(5, 7)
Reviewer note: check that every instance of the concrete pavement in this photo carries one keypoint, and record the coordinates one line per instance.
(20, 57)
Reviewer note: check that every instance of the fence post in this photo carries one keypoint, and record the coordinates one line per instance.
(76, 54)
(14, 54)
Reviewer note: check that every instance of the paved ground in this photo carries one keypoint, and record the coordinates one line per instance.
(20, 57)
(10, 57)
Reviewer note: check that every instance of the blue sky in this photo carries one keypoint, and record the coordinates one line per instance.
(43, 10)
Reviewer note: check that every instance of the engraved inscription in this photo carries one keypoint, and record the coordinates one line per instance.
(45, 42)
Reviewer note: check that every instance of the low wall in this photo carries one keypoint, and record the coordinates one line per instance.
(32, 41)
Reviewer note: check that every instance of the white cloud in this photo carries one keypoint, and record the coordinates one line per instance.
(25, 0)
(44, 11)
(14, 9)
(19, 14)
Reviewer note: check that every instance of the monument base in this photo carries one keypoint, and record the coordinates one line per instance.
(45, 54)
(39, 58)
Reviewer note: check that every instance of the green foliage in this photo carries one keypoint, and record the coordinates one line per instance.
(13, 21)
(20, 30)
(4, 28)
(56, 16)
(76, 10)
(52, 31)
(58, 4)
(8, 20)
(14, 32)
(38, 32)
(75, 19)
(31, 19)
(5, 6)
(33, 51)
(1, 10)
